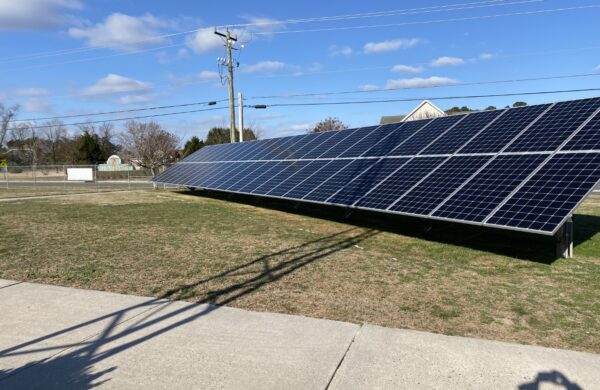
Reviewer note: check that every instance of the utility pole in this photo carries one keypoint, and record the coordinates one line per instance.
(241, 116)
(229, 41)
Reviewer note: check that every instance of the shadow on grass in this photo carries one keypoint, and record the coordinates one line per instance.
(75, 365)
(524, 246)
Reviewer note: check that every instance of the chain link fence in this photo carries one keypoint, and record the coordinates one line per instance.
(56, 179)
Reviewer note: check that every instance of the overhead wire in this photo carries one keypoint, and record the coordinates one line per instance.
(310, 94)
(416, 99)
(397, 12)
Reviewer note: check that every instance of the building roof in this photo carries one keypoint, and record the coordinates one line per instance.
(423, 111)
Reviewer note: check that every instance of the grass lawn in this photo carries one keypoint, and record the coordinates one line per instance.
(25, 192)
(268, 256)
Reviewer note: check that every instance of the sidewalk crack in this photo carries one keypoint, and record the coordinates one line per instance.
(343, 358)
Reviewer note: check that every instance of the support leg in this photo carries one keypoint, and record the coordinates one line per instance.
(564, 240)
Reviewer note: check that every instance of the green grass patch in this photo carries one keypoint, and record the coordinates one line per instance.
(268, 256)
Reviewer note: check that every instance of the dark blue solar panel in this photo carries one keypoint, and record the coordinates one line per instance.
(317, 178)
(250, 151)
(358, 187)
(396, 137)
(231, 152)
(262, 168)
(551, 194)
(221, 172)
(348, 138)
(504, 130)
(241, 171)
(232, 169)
(194, 173)
(349, 146)
(291, 148)
(310, 141)
(436, 187)
(287, 169)
(268, 173)
(305, 169)
(555, 126)
(484, 192)
(207, 153)
(466, 187)
(335, 182)
(456, 137)
(387, 191)
(587, 138)
(268, 148)
(326, 142)
(171, 175)
(424, 137)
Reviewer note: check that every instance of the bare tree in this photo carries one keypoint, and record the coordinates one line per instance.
(54, 135)
(328, 124)
(24, 140)
(149, 145)
(6, 115)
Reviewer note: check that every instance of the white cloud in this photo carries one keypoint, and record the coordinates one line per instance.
(204, 41)
(32, 92)
(389, 45)
(418, 82)
(114, 83)
(37, 105)
(487, 56)
(448, 61)
(125, 31)
(36, 14)
(263, 67)
(135, 99)
(407, 69)
(369, 87)
(345, 51)
(208, 75)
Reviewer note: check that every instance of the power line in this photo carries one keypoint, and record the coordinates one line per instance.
(418, 99)
(560, 77)
(310, 73)
(480, 17)
(285, 96)
(329, 29)
(210, 103)
(329, 104)
(397, 12)
(130, 118)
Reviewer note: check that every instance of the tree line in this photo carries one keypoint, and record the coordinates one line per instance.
(146, 144)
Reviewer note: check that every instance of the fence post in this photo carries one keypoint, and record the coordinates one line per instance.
(6, 175)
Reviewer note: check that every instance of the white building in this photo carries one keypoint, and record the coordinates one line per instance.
(425, 110)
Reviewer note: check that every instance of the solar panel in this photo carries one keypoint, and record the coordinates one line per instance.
(523, 168)
(555, 126)
(484, 192)
(505, 129)
(425, 196)
(550, 195)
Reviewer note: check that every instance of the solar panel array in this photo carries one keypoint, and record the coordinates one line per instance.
(524, 168)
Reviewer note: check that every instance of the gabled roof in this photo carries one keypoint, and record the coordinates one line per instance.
(426, 104)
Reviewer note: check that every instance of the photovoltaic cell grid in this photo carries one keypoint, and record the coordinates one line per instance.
(524, 168)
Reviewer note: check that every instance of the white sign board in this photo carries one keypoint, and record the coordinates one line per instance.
(80, 174)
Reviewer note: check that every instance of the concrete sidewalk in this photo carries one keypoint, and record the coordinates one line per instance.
(59, 338)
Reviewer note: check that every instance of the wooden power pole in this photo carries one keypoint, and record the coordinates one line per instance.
(229, 41)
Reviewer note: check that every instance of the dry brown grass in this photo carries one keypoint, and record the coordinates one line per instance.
(211, 250)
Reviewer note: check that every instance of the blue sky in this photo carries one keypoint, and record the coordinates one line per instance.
(116, 65)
